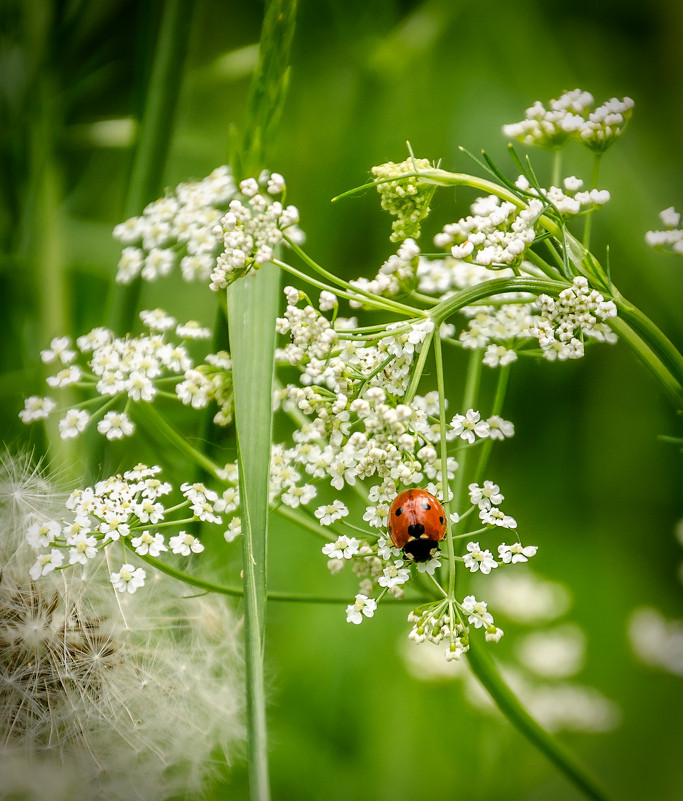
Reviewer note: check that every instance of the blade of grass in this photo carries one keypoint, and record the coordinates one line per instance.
(488, 674)
(252, 309)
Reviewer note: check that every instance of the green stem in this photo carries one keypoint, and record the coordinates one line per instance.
(664, 350)
(419, 367)
(557, 167)
(498, 400)
(158, 423)
(154, 138)
(589, 215)
(488, 674)
(356, 292)
(445, 486)
(469, 401)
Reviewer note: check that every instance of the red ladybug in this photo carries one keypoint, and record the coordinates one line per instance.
(417, 522)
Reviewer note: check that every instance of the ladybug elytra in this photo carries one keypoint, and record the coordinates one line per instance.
(416, 523)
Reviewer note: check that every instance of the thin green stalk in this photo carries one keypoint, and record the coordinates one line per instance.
(154, 138)
(488, 674)
(589, 217)
(557, 167)
(469, 401)
(372, 301)
(356, 292)
(158, 423)
(660, 345)
(498, 400)
(419, 367)
(445, 486)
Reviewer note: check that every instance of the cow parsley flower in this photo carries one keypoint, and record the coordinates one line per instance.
(362, 606)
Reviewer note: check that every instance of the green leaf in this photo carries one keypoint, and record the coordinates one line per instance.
(252, 309)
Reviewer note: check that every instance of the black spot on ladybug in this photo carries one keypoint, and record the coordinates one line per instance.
(416, 530)
(398, 511)
(426, 506)
(441, 520)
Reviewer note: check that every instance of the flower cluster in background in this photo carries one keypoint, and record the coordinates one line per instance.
(573, 115)
(671, 238)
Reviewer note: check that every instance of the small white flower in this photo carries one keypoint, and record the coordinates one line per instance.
(36, 408)
(470, 426)
(66, 377)
(493, 634)
(116, 425)
(128, 579)
(500, 429)
(157, 319)
(361, 606)
(84, 547)
(41, 535)
(394, 575)
(333, 511)
(327, 301)
(495, 517)
(386, 551)
(478, 614)
(343, 548)
(184, 544)
(512, 554)
(485, 496)
(73, 423)
(193, 330)
(60, 350)
(429, 566)
(233, 530)
(670, 217)
(113, 527)
(477, 559)
(146, 543)
(45, 563)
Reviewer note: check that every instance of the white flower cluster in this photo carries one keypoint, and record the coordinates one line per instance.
(252, 229)
(570, 199)
(120, 508)
(573, 115)
(495, 233)
(671, 238)
(180, 225)
(406, 199)
(397, 274)
(86, 672)
(132, 368)
(564, 323)
(560, 326)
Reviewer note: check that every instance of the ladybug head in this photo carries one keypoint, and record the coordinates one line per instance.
(421, 549)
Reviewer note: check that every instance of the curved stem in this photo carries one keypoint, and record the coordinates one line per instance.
(392, 305)
(488, 674)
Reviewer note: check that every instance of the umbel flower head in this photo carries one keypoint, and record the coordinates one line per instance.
(110, 698)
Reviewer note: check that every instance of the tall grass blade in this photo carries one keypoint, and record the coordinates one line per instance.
(252, 309)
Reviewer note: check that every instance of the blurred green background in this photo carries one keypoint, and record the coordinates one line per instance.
(585, 476)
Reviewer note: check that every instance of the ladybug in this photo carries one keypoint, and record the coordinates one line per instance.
(417, 522)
